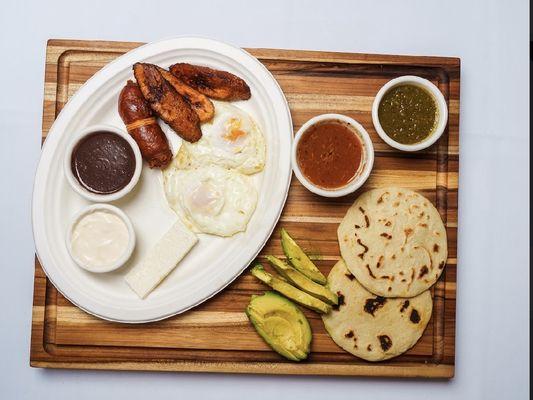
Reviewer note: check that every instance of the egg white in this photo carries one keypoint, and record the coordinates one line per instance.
(232, 140)
(211, 199)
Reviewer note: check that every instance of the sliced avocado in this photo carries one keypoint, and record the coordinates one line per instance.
(299, 259)
(303, 282)
(290, 291)
(281, 324)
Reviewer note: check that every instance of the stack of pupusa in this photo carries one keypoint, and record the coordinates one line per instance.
(208, 182)
(394, 248)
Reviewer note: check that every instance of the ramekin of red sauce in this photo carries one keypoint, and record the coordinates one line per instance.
(332, 155)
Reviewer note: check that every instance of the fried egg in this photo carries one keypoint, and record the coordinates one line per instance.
(231, 140)
(211, 199)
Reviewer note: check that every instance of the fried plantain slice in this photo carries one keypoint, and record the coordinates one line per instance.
(199, 102)
(219, 85)
(167, 103)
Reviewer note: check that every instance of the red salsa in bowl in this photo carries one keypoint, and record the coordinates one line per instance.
(332, 155)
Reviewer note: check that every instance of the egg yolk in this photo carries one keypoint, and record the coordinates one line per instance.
(233, 130)
(206, 199)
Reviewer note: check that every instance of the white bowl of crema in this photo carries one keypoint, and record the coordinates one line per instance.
(100, 238)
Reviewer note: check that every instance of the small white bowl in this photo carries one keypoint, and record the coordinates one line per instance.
(367, 160)
(78, 188)
(442, 110)
(127, 252)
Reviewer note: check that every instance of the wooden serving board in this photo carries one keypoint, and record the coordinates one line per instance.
(216, 336)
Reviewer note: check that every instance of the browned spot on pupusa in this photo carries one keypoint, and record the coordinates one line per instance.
(412, 278)
(423, 271)
(388, 223)
(385, 342)
(441, 265)
(404, 305)
(394, 258)
(423, 225)
(365, 249)
(408, 232)
(357, 226)
(371, 305)
(386, 235)
(349, 334)
(349, 276)
(370, 271)
(340, 301)
(367, 220)
(396, 204)
(415, 317)
(435, 248)
(380, 200)
(379, 262)
(369, 347)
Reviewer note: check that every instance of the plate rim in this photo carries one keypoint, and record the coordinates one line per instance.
(203, 42)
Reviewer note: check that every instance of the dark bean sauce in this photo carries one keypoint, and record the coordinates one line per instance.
(103, 162)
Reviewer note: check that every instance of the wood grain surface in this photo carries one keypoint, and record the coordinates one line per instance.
(216, 336)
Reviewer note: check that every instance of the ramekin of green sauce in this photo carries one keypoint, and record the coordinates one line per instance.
(409, 113)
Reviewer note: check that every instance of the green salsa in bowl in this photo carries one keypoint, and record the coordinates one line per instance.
(409, 113)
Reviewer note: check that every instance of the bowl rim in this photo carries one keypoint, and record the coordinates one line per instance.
(351, 186)
(95, 197)
(441, 106)
(119, 213)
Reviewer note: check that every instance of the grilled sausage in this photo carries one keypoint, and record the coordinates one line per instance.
(168, 104)
(199, 102)
(220, 85)
(143, 127)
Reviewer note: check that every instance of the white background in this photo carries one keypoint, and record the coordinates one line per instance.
(490, 37)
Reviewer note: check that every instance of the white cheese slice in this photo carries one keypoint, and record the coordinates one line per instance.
(161, 260)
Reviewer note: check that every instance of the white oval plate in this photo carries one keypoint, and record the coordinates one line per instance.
(214, 262)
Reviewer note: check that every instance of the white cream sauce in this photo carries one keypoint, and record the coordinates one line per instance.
(99, 239)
